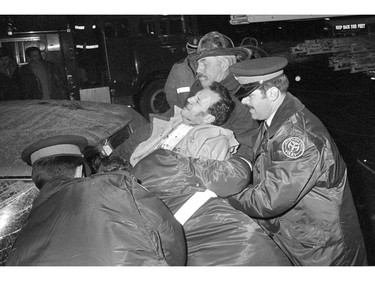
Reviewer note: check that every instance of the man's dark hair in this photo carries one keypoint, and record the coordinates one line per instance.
(30, 50)
(222, 109)
(48, 168)
(281, 82)
(111, 163)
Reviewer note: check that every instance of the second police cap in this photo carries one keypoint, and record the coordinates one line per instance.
(62, 145)
(258, 70)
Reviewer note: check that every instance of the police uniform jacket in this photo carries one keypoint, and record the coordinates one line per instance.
(300, 194)
(106, 219)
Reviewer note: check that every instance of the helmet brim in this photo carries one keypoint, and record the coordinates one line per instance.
(239, 52)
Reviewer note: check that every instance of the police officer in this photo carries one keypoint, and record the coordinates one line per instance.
(102, 219)
(300, 193)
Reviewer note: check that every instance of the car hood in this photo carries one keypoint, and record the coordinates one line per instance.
(23, 122)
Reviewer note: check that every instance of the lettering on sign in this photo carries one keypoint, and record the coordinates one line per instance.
(350, 26)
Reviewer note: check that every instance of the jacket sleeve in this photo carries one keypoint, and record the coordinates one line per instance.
(225, 178)
(285, 182)
(170, 87)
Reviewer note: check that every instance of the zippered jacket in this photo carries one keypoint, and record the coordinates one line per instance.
(106, 219)
(300, 193)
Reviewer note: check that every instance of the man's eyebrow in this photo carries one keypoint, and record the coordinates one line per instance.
(204, 60)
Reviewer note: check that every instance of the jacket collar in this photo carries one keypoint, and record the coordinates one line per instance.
(51, 187)
(290, 106)
(231, 83)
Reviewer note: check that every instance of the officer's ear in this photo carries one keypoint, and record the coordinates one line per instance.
(79, 172)
(273, 93)
(209, 119)
(224, 64)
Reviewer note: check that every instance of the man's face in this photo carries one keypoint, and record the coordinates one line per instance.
(35, 57)
(4, 62)
(209, 70)
(195, 109)
(258, 104)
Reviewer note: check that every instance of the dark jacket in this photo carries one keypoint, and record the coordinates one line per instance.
(216, 234)
(31, 87)
(10, 86)
(300, 194)
(180, 78)
(105, 219)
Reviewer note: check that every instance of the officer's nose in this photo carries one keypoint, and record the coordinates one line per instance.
(245, 101)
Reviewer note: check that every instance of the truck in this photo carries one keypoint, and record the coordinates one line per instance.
(123, 59)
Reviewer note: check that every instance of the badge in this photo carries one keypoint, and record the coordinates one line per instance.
(293, 147)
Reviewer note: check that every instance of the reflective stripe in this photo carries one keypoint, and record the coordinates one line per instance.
(55, 150)
(251, 166)
(192, 205)
(183, 90)
(260, 78)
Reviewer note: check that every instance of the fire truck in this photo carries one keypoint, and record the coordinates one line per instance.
(122, 59)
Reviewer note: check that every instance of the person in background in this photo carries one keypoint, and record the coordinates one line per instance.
(41, 79)
(195, 129)
(300, 194)
(182, 76)
(9, 76)
(102, 219)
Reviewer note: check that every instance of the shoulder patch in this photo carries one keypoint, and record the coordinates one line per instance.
(293, 147)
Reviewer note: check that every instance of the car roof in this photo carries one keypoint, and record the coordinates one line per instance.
(23, 122)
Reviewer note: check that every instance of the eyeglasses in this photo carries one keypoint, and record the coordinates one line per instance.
(247, 89)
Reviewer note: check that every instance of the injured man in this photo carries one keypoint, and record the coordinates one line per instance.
(216, 233)
(195, 129)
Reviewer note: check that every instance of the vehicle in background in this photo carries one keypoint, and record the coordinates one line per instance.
(122, 59)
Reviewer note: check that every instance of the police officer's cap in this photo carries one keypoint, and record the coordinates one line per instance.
(258, 70)
(64, 145)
